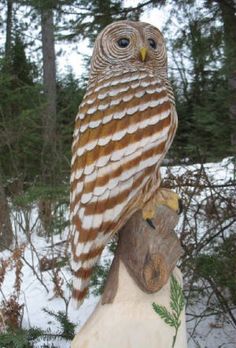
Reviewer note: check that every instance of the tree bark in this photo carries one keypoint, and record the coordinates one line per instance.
(49, 84)
(49, 157)
(8, 28)
(6, 233)
(149, 255)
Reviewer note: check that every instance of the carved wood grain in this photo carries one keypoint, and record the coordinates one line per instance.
(149, 255)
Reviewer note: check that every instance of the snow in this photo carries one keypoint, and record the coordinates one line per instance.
(37, 287)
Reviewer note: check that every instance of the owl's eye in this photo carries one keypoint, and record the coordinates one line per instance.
(124, 42)
(152, 43)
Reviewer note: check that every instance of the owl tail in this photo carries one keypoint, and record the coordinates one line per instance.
(81, 278)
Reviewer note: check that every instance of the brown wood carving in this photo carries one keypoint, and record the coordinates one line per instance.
(149, 255)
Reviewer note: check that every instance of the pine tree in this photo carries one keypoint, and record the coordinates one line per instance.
(200, 83)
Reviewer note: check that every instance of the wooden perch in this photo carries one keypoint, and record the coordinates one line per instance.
(139, 276)
(148, 254)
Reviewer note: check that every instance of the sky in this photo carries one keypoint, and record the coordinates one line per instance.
(72, 58)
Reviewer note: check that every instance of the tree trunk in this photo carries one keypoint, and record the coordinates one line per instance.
(49, 115)
(8, 28)
(6, 233)
(228, 9)
(49, 83)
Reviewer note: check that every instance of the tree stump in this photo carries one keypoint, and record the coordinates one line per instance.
(143, 262)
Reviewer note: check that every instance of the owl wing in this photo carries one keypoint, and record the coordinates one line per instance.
(123, 129)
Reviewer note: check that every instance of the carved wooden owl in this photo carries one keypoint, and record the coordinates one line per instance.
(125, 126)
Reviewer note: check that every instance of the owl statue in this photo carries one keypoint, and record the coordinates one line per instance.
(124, 127)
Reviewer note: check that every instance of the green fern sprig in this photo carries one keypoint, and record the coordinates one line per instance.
(176, 304)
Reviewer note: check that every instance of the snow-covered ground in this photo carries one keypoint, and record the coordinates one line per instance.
(37, 288)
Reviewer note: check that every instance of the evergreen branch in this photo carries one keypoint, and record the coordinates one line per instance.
(176, 304)
(164, 314)
(176, 296)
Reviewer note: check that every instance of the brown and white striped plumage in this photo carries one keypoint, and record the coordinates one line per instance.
(124, 127)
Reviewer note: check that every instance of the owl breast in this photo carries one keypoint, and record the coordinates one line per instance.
(123, 130)
(124, 127)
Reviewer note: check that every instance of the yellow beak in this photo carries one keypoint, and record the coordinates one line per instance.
(143, 53)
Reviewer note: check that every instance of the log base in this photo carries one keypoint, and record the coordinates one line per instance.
(139, 276)
(130, 321)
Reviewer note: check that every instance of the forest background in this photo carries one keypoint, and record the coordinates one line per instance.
(38, 107)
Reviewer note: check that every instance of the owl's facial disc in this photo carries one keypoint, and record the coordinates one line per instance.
(135, 44)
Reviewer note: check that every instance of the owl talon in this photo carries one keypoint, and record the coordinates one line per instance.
(164, 197)
(150, 223)
(170, 199)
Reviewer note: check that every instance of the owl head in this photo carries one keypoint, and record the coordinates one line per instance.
(128, 43)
